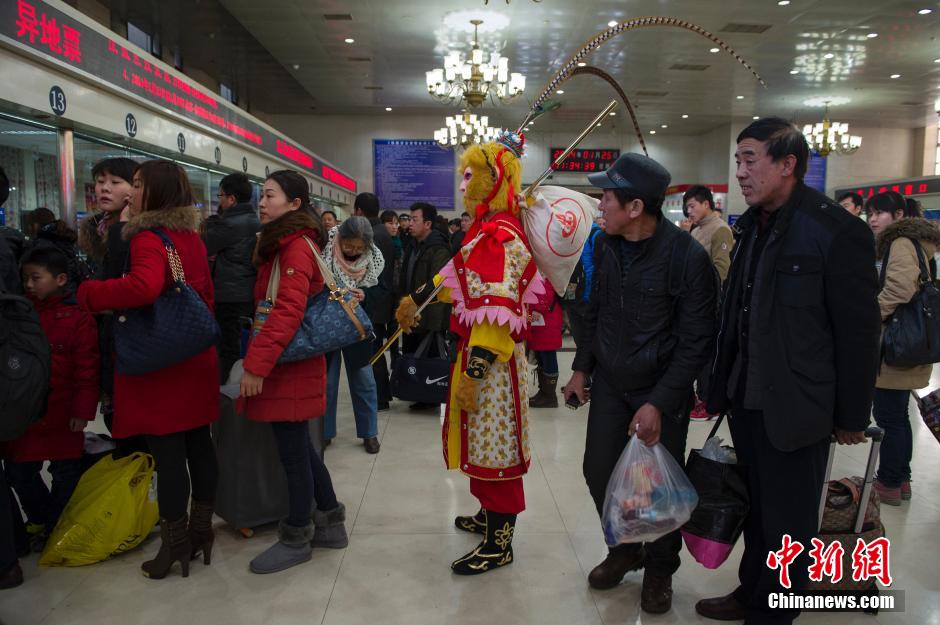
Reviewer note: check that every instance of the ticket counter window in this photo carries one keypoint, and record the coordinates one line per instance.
(28, 156)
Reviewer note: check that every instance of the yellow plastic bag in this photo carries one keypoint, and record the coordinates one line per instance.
(112, 510)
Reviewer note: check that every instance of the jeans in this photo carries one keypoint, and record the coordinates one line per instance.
(897, 448)
(229, 315)
(307, 476)
(181, 459)
(43, 505)
(364, 393)
(607, 435)
(548, 362)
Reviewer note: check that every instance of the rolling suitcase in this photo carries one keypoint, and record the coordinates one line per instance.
(848, 510)
(252, 488)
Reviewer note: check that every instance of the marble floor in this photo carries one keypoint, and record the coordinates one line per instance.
(400, 507)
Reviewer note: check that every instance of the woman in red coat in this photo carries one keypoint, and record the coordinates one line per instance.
(288, 395)
(174, 406)
(545, 340)
(73, 396)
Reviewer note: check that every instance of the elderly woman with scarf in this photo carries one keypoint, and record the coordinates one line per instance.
(356, 263)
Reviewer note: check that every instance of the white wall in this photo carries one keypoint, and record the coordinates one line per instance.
(885, 154)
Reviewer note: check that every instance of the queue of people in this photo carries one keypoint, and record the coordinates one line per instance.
(707, 321)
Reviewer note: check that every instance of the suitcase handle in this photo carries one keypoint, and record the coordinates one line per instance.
(876, 434)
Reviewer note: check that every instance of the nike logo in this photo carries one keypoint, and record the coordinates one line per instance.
(435, 380)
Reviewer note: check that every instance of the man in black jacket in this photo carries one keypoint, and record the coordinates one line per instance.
(230, 237)
(423, 261)
(380, 299)
(797, 355)
(648, 330)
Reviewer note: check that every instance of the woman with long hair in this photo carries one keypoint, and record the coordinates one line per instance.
(288, 395)
(174, 406)
(901, 235)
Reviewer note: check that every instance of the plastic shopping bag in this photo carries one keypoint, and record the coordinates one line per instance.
(648, 495)
(112, 510)
(558, 224)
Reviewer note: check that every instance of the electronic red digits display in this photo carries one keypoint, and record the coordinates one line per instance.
(587, 161)
(916, 186)
(46, 30)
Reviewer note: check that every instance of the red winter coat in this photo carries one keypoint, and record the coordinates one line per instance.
(73, 387)
(293, 391)
(186, 395)
(547, 337)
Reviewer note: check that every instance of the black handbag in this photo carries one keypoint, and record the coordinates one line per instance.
(419, 378)
(723, 505)
(912, 333)
(176, 327)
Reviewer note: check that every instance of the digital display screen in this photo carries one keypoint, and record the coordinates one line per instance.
(584, 160)
(920, 186)
(52, 33)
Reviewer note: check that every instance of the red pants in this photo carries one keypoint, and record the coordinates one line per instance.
(504, 496)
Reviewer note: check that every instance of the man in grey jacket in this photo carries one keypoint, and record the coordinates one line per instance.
(230, 237)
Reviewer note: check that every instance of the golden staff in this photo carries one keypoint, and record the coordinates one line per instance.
(558, 161)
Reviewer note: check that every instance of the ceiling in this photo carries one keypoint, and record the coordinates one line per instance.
(287, 57)
(396, 42)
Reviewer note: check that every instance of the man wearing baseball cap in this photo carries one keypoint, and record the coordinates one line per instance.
(649, 328)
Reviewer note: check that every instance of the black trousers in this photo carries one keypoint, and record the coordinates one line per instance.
(785, 488)
(380, 368)
(184, 458)
(308, 479)
(607, 435)
(228, 314)
(12, 529)
(43, 505)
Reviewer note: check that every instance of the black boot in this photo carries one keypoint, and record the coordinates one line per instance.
(475, 524)
(175, 546)
(547, 397)
(495, 550)
(201, 536)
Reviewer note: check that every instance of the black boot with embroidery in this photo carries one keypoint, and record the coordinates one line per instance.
(495, 550)
(475, 524)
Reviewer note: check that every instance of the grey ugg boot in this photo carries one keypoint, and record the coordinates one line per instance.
(292, 548)
(330, 529)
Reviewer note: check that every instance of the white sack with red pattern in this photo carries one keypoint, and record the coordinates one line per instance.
(558, 224)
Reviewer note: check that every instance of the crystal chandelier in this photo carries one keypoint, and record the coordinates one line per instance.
(827, 136)
(472, 79)
(465, 129)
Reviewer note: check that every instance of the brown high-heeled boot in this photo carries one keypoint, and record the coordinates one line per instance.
(201, 536)
(175, 546)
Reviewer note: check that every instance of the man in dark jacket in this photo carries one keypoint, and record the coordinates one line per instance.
(797, 355)
(647, 333)
(230, 237)
(380, 299)
(423, 260)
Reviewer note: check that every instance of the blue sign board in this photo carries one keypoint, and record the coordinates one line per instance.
(816, 173)
(413, 170)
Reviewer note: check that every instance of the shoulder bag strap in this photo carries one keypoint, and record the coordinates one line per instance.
(173, 257)
(274, 280)
(328, 278)
(921, 261)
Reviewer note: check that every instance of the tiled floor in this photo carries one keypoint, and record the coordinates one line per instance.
(401, 504)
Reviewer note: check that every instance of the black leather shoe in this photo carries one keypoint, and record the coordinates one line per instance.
(423, 406)
(726, 608)
(619, 562)
(383, 406)
(371, 444)
(656, 596)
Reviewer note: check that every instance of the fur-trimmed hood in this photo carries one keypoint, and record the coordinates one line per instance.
(181, 218)
(269, 239)
(916, 228)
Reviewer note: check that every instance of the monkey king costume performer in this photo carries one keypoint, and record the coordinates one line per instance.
(490, 282)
